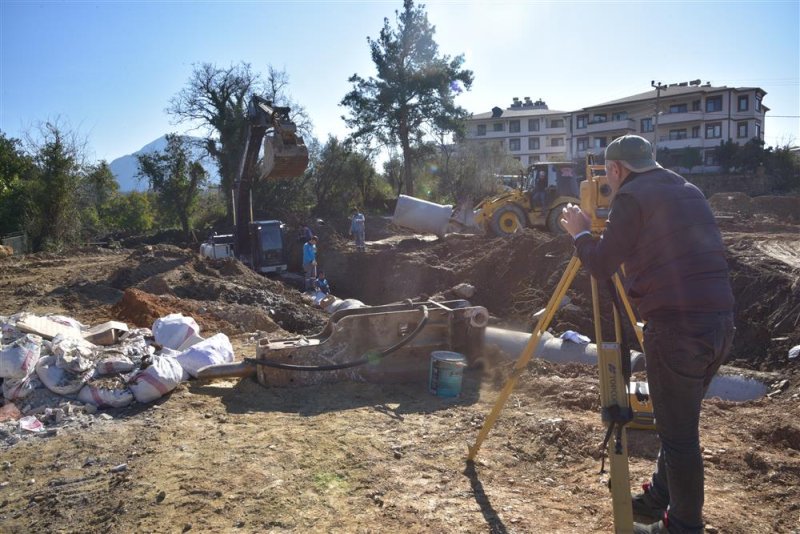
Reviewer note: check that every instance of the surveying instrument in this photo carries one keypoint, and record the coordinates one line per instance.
(613, 358)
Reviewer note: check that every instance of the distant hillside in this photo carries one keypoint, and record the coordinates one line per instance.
(126, 168)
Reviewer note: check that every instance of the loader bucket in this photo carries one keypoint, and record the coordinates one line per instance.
(283, 158)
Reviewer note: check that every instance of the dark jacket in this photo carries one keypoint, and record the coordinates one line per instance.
(663, 232)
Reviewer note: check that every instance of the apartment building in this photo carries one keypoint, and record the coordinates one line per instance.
(528, 130)
(676, 117)
(685, 115)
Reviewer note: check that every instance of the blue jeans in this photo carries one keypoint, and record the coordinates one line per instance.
(683, 353)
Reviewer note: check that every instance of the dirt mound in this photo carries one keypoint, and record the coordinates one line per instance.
(515, 277)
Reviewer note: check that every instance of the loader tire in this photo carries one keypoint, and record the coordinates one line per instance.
(507, 221)
(553, 226)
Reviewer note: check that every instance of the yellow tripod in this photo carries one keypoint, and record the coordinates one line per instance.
(613, 392)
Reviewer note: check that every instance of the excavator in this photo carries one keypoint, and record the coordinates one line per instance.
(260, 243)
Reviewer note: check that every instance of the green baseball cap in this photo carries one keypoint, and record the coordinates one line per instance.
(633, 151)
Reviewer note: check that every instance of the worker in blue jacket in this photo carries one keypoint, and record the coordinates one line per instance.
(310, 262)
(322, 283)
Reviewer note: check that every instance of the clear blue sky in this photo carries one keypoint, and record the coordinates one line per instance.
(108, 69)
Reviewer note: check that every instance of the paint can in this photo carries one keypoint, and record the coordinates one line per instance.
(446, 372)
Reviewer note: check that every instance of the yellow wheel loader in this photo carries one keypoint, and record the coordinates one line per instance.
(513, 210)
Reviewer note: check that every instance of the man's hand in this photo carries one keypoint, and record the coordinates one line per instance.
(574, 221)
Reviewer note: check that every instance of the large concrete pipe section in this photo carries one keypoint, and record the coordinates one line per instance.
(728, 384)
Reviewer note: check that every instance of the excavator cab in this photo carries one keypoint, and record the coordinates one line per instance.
(267, 253)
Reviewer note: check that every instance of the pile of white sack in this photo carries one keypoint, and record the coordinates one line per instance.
(144, 365)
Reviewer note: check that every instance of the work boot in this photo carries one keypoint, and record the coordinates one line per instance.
(653, 528)
(646, 505)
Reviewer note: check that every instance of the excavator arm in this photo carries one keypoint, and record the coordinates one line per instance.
(285, 156)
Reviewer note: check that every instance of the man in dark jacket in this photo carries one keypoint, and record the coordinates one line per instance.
(662, 231)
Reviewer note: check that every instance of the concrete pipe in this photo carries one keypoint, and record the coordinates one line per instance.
(728, 384)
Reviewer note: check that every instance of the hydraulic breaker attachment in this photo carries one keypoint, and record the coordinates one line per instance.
(381, 344)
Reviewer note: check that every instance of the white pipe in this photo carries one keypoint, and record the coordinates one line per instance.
(726, 384)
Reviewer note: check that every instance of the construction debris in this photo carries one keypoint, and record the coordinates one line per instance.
(59, 358)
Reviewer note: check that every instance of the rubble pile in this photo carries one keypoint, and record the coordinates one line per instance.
(58, 373)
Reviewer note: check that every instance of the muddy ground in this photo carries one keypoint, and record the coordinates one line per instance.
(232, 455)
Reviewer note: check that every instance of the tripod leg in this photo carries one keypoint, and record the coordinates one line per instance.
(629, 311)
(527, 353)
(614, 399)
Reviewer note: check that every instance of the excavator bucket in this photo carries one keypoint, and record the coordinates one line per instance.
(285, 156)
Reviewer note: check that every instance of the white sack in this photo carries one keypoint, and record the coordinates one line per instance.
(160, 378)
(114, 364)
(19, 388)
(73, 354)
(214, 350)
(60, 380)
(18, 359)
(174, 329)
(104, 397)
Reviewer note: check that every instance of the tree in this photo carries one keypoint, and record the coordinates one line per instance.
(751, 155)
(132, 212)
(52, 216)
(342, 178)
(15, 167)
(176, 178)
(97, 190)
(415, 89)
(216, 100)
(726, 154)
(473, 169)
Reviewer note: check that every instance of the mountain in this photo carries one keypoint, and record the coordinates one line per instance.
(126, 168)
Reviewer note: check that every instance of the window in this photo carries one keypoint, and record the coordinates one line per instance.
(599, 117)
(758, 131)
(714, 130)
(513, 126)
(713, 103)
(513, 144)
(696, 105)
(741, 129)
(581, 121)
(758, 103)
(695, 132)
(533, 158)
(710, 157)
(599, 142)
(557, 141)
(497, 127)
(647, 125)
(481, 129)
(619, 116)
(583, 143)
(678, 108)
(674, 135)
(557, 123)
(533, 125)
(533, 143)
(517, 158)
(744, 103)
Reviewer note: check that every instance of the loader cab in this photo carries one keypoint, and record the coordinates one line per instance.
(267, 251)
(562, 178)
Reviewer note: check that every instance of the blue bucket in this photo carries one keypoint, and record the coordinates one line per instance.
(446, 373)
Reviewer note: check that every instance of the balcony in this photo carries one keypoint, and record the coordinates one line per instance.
(553, 149)
(625, 125)
(679, 118)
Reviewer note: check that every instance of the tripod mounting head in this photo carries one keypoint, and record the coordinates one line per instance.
(596, 195)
